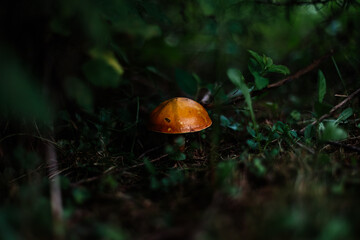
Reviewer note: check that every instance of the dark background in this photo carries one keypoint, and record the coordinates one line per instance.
(79, 79)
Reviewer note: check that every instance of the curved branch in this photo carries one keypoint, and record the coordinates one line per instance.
(334, 109)
(281, 82)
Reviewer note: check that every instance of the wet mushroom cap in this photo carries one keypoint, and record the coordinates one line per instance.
(179, 115)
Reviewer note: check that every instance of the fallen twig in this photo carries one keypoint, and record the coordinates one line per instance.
(345, 146)
(148, 151)
(310, 150)
(153, 160)
(334, 109)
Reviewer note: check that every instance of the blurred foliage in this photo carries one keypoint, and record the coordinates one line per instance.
(83, 76)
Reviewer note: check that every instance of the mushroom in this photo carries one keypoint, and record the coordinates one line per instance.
(179, 115)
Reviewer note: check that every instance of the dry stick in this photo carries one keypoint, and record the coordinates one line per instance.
(57, 210)
(55, 190)
(345, 146)
(334, 109)
(148, 151)
(310, 150)
(303, 71)
(297, 75)
(153, 160)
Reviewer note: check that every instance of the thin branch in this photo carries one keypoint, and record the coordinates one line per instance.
(29, 135)
(55, 190)
(345, 146)
(281, 82)
(148, 151)
(153, 160)
(301, 72)
(310, 150)
(334, 109)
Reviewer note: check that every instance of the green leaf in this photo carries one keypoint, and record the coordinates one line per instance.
(251, 131)
(149, 166)
(230, 123)
(256, 56)
(279, 69)
(207, 7)
(268, 62)
(252, 144)
(293, 133)
(295, 115)
(224, 121)
(110, 232)
(260, 168)
(322, 85)
(333, 133)
(259, 66)
(109, 58)
(225, 171)
(186, 82)
(80, 195)
(348, 112)
(237, 79)
(321, 108)
(178, 156)
(309, 132)
(336, 228)
(260, 82)
(256, 69)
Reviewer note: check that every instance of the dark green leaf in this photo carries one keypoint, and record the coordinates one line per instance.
(279, 69)
(260, 82)
(321, 108)
(268, 62)
(295, 115)
(255, 67)
(256, 70)
(237, 79)
(257, 57)
(251, 131)
(178, 156)
(260, 168)
(348, 112)
(149, 166)
(322, 86)
(293, 133)
(80, 195)
(309, 132)
(252, 144)
(226, 122)
(333, 133)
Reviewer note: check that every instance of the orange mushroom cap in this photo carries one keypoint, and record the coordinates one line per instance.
(179, 115)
